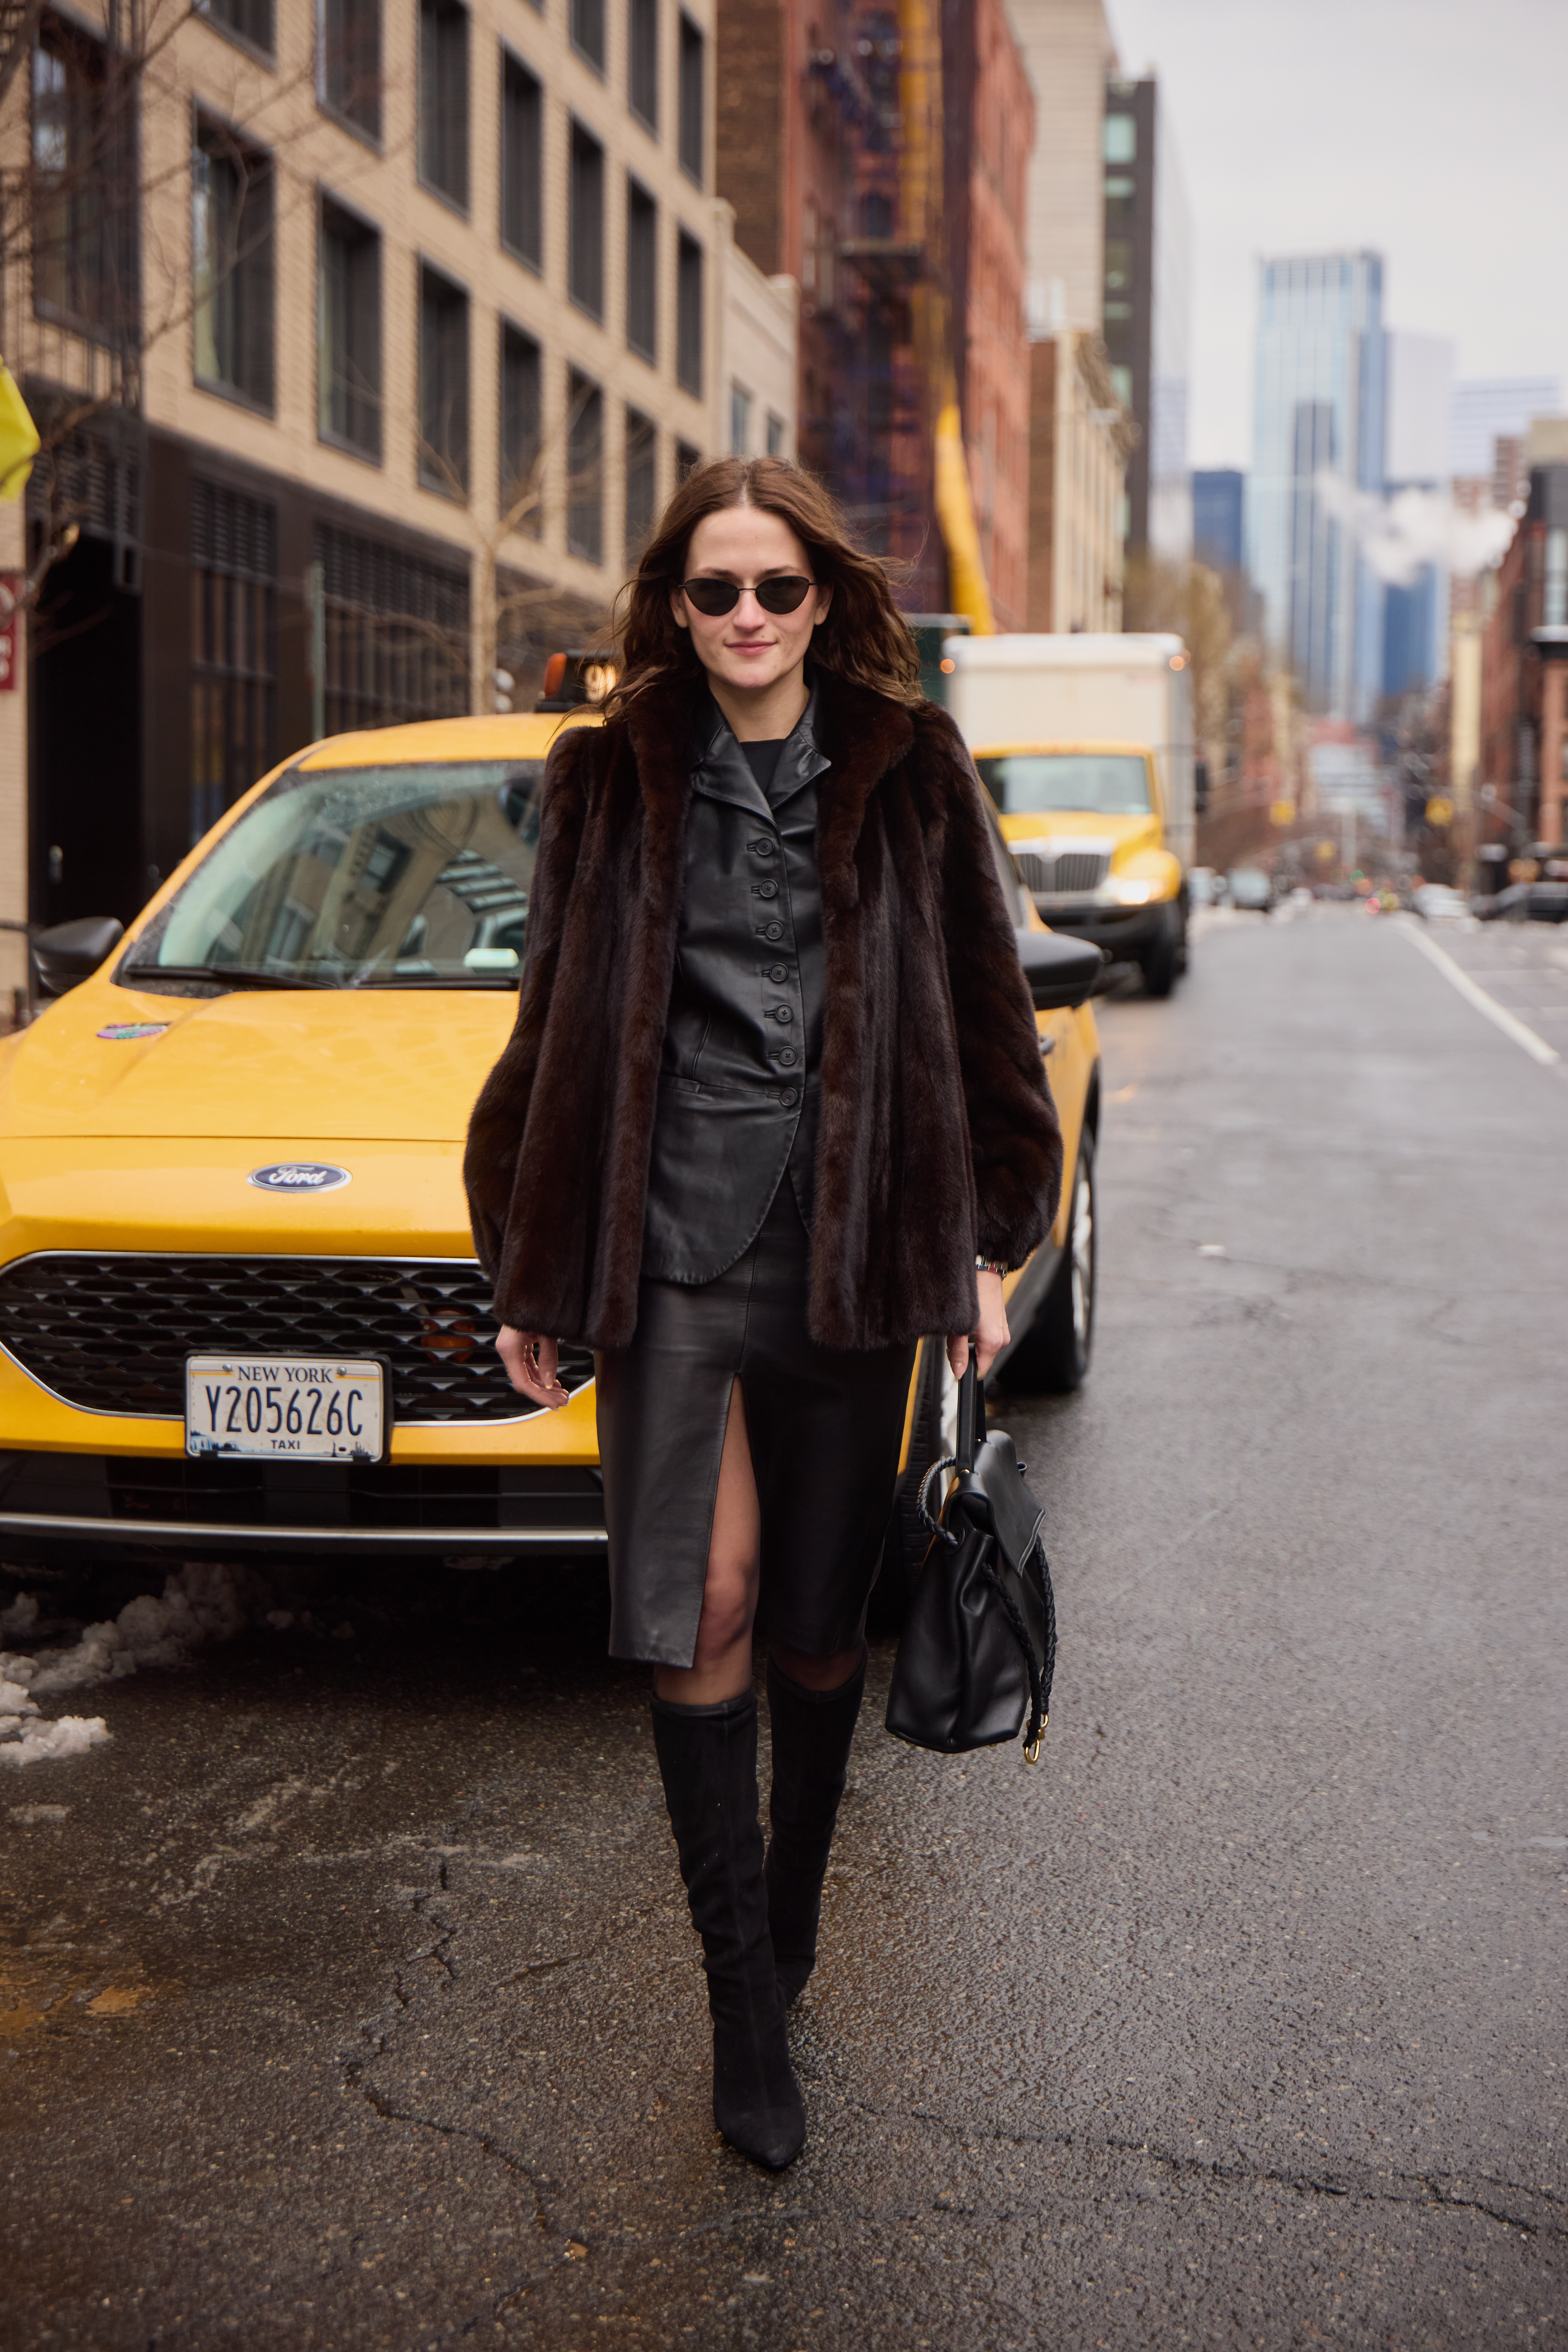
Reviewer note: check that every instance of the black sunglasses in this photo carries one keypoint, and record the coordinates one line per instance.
(785, 592)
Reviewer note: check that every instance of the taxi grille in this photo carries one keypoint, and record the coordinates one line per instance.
(1074, 869)
(110, 1330)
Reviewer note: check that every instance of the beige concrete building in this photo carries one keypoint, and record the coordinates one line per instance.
(760, 322)
(1068, 49)
(386, 336)
(1079, 439)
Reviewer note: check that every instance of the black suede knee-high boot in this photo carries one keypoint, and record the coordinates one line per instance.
(812, 1732)
(708, 1757)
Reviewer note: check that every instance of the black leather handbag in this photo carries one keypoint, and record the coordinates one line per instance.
(978, 1650)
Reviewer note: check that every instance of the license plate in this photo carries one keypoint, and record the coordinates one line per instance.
(294, 1408)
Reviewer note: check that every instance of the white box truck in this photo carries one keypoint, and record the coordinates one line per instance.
(1086, 745)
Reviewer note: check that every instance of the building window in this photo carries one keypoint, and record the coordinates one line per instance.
(521, 430)
(234, 648)
(740, 420)
(777, 431)
(642, 62)
(348, 70)
(642, 481)
(642, 272)
(231, 264)
(693, 71)
(687, 460)
(443, 384)
(522, 162)
(688, 315)
(584, 467)
(585, 224)
(396, 630)
(1121, 138)
(251, 19)
(588, 31)
(84, 199)
(1554, 600)
(348, 359)
(444, 99)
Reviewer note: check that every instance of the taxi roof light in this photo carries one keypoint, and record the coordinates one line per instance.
(573, 681)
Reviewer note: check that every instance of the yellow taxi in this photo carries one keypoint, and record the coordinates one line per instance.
(1088, 825)
(239, 1306)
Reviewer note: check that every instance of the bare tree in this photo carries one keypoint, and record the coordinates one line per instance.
(518, 619)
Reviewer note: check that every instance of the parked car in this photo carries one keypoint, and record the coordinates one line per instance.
(239, 1306)
(1249, 887)
(1533, 902)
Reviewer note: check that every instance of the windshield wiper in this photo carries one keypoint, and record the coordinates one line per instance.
(234, 975)
(437, 979)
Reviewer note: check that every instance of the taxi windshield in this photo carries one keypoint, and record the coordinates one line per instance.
(1107, 784)
(360, 877)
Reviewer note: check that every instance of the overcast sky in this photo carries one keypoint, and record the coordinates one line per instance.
(1435, 131)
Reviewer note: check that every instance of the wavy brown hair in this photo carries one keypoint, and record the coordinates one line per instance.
(863, 637)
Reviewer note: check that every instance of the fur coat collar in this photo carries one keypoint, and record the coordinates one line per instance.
(937, 1138)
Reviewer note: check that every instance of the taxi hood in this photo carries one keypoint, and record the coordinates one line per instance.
(390, 1065)
(1120, 834)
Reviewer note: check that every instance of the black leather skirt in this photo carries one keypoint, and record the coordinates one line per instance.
(825, 1428)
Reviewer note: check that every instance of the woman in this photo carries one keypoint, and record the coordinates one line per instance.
(772, 1109)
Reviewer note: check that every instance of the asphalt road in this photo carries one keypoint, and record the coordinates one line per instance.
(346, 1995)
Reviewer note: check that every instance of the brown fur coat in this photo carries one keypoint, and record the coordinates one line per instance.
(938, 1135)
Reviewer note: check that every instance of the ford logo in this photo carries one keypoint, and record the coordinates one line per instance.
(300, 1176)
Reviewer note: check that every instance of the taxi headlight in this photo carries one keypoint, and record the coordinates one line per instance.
(1127, 890)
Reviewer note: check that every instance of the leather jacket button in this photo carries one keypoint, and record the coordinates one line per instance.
(788, 1058)
(789, 1097)
(761, 848)
(767, 889)
(777, 974)
(772, 930)
(782, 1012)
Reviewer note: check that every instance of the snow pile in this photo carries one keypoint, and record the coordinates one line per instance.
(70, 1735)
(199, 1605)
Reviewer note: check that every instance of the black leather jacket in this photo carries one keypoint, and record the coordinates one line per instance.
(739, 1083)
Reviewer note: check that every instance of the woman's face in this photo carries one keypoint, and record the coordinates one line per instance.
(748, 648)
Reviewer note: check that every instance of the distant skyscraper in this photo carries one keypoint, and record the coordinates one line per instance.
(1317, 447)
(1219, 512)
(1488, 409)
(1420, 399)
(1147, 312)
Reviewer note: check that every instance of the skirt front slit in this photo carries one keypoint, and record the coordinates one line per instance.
(826, 1427)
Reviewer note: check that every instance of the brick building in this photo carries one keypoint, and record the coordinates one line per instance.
(988, 293)
(881, 154)
(386, 334)
(1524, 673)
(786, 81)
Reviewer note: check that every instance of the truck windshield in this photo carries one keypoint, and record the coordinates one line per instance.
(360, 877)
(1107, 784)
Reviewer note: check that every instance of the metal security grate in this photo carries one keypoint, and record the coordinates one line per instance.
(1074, 869)
(110, 1330)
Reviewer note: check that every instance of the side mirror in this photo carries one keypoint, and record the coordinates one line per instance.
(71, 952)
(1061, 971)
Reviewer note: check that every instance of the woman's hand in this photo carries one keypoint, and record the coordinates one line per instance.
(532, 1365)
(992, 1334)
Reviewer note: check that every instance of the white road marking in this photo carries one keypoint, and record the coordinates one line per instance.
(1458, 977)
